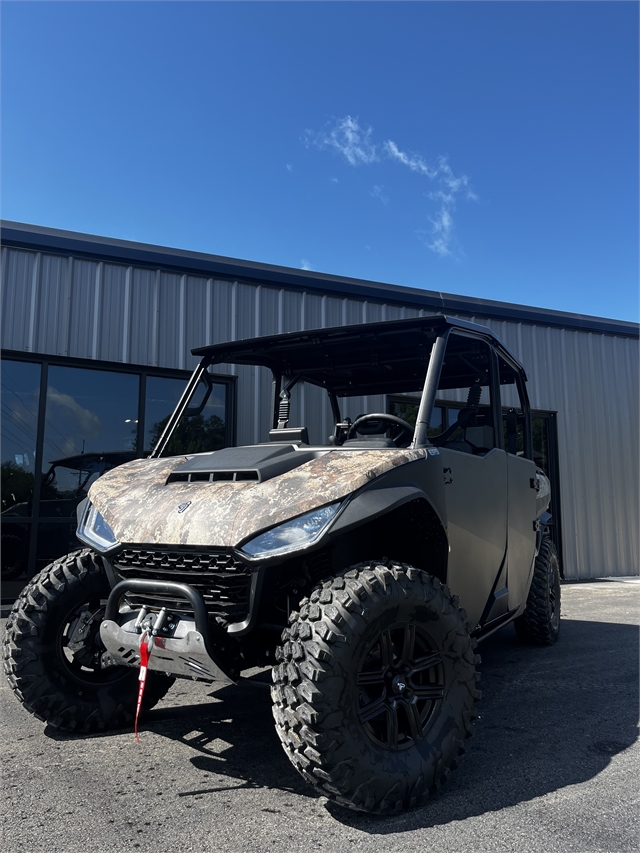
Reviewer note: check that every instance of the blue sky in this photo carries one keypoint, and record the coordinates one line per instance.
(482, 148)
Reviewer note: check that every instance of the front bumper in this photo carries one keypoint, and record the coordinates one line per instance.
(187, 652)
(228, 584)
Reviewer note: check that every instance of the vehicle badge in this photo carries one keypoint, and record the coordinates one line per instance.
(182, 507)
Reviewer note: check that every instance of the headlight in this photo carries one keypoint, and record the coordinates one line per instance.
(94, 530)
(292, 535)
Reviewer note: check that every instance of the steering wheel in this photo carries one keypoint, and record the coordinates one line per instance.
(382, 416)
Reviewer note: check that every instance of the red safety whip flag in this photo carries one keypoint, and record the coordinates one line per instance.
(146, 644)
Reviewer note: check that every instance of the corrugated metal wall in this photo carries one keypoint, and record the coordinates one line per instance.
(94, 309)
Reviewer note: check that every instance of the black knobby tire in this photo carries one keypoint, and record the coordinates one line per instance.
(374, 694)
(70, 689)
(540, 622)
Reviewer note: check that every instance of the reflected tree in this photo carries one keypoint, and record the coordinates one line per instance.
(192, 435)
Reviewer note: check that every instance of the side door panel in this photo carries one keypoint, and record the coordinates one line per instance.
(521, 533)
(476, 497)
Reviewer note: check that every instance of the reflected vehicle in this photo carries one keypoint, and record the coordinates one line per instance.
(64, 485)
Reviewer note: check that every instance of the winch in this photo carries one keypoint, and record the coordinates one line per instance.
(179, 643)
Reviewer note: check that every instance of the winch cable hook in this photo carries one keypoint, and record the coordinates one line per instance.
(146, 645)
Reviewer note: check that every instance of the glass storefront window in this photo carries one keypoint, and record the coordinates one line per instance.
(196, 434)
(91, 425)
(20, 397)
(539, 427)
(91, 416)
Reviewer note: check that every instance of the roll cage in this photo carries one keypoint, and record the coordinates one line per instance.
(392, 357)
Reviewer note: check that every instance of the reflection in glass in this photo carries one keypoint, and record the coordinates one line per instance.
(68, 480)
(56, 540)
(20, 396)
(91, 424)
(512, 409)
(408, 411)
(196, 434)
(540, 443)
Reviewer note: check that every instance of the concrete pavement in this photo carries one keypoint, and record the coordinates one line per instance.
(553, 765)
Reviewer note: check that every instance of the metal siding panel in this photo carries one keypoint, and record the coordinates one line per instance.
(143, 316)
(52, 320)
(392, 312)
(111, 312)
(268, 316)
(352, 407)
(315, 416)
(312, 311)
(411, 312)
(332, 315)
(82, 307)
(292, 311)
(245, 311)
(222, 320)
(352, 311)
(373, 312)
(195, 333)
(17, 294)
(168, 320)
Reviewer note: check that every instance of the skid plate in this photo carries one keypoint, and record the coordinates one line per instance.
(183, 654)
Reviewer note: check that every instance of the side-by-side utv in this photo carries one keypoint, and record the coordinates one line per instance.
(363, 569)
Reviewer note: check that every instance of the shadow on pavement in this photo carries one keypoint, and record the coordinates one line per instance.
(550, 717)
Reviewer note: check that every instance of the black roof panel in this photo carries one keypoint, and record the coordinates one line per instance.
(366, 358)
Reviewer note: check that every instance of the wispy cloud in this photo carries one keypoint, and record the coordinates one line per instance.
(305, 265)
(289, 167)
(376, 192)
(412, 161)
(349, 139)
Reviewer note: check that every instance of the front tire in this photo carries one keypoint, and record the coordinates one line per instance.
(540, 622)
(52, 651)
(373, 698)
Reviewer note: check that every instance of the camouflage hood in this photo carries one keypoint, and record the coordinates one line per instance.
(232, 494)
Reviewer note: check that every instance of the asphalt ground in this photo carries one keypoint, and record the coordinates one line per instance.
(553, 765)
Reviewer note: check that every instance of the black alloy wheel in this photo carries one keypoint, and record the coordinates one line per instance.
(401, 685)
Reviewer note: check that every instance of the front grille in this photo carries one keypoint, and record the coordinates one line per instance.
(222, 580)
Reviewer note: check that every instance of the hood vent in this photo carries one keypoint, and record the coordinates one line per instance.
(253, 464)
(213, 477)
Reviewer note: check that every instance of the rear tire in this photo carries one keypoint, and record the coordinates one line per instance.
(373, 698)
(540, 622)
(63, 686)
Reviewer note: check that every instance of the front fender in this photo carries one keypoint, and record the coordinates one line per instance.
(372, 503)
